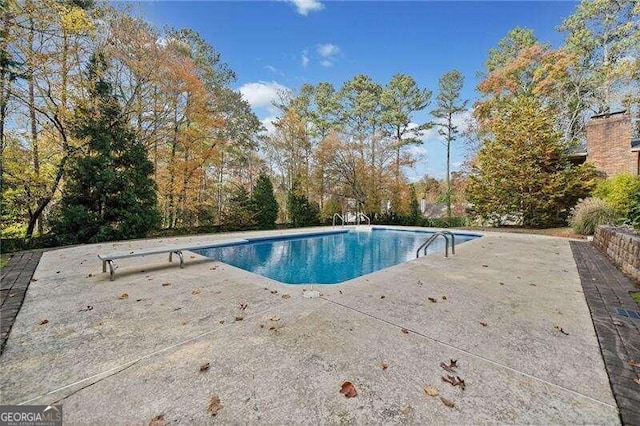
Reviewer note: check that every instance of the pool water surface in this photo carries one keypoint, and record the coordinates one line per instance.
(327, 258)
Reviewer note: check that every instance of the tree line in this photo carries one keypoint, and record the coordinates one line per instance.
(170, 97)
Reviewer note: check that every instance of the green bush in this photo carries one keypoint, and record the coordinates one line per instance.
(619, 192)
(589, 213)
(633, 217)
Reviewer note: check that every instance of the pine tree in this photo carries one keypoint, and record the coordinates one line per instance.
(301, 211)
(109, 193)
(414, 207)
(263, 203)
(238, 215)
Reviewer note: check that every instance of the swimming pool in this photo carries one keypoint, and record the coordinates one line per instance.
(328, 257)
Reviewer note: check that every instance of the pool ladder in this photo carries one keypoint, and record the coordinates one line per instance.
(443, 234)
(359, 216)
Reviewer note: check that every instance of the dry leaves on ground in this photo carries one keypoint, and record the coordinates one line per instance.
(634, 363)
(561, 330)
(44, 321)
(455, 381)
(348, 390)
(275, 318)
(123, 296)
(405, 331)
(214, 405)
(157, 420)
(205, 366)
(166, 284)
(196, 291)
(87, 309)
(405, 410)
(431, 391)
(447, 402)
(384, 365)
(286, 296)
(432, 300)
(239, 318)
(444, 297)
(243, 306)
(484, 324)
(453, 364)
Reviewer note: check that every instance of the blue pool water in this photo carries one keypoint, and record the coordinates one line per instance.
(328, 258)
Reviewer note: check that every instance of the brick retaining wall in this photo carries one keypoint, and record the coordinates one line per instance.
(622, 246)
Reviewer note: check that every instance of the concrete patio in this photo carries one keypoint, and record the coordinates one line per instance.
(509, 308)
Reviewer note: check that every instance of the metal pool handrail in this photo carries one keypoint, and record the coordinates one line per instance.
(334, 219)
(432, 238)
(365, 216)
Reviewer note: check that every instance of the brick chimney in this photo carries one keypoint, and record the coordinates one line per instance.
(609, 145)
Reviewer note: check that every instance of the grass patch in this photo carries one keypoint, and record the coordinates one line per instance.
(635, 295)
(4, 259)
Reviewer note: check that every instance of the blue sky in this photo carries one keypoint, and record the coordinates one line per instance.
(282, 44)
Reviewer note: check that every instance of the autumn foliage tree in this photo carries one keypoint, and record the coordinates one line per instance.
(523, 168)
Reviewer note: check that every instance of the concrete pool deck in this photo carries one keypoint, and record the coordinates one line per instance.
(514, 318)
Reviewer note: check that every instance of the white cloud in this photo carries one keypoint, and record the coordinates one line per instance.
(328, 50)
(304, 7)
(305, 58)
(326, 63)
(262, 94)
(274, 70)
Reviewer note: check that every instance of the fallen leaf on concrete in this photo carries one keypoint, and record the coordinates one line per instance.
(419, 283)
(273, 327)
(382, 297)
(634, 363)
(450, 368)
(205, 367)
(449, 379)
(532, 284)
(405, 409)
(185, 322)
(196, 291)
(484, 324)
(275, 318)
(239, 318)
(454, 381)
(501, 283)
(33, 280)
(57, 272)
(340, 291)
(405, 331)
(88, 308)
(485, 266)
(384, 365)
(243, 306)
(348, 390)
(214, 405)
(618, 323)
(274, 291)
(561, 330)
(139, 300)
(432, 300)
(431, 391)
(44, 321)
(286, 296)
(88, 276)
(166, 284)
(447, 402)
(157, 420)
(221, 321)
(444, 297)
(123, 296)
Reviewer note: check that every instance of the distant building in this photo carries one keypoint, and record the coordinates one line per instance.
(613, 144)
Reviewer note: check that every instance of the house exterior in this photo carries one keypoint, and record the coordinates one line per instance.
(613, 145)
